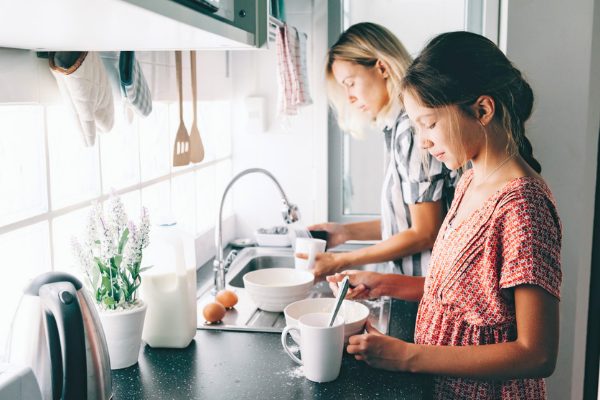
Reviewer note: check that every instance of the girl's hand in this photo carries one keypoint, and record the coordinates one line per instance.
(378, 350)
(335, 233)
(325, 264)
(363, 284)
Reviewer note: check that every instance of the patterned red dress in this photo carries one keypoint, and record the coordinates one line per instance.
(514, 238)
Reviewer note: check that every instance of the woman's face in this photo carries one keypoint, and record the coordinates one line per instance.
(446, 133)
(365, 87)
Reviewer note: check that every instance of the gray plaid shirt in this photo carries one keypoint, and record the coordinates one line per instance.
(408, 181)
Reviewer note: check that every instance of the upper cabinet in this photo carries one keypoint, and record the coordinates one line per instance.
(105, 25)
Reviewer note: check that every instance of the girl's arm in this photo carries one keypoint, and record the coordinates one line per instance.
(371, 285)
(426, 220)
(532, 355)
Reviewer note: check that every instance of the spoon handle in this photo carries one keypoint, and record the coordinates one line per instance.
(340, 298)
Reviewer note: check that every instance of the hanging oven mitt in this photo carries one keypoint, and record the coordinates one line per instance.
(84, 85)
(134, 88)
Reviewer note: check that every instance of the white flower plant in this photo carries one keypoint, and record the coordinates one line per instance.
(111, 254)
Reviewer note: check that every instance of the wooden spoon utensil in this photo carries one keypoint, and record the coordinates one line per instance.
(196, 147)
(181, 150)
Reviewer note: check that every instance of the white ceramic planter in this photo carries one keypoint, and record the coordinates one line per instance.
(123, 331)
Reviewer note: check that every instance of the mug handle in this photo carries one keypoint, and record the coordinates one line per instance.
(312, 253)
(287, 350)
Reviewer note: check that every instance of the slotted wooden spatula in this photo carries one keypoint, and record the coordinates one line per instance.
(196, 147)
(181, 150)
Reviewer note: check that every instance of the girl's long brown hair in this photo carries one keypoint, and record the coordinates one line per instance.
(456, 68)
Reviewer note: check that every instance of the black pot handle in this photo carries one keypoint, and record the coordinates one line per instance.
(63, 316)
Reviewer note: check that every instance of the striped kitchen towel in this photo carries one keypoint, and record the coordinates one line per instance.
(304, 94)
(134, 88)
(292, 74)
(284, 76)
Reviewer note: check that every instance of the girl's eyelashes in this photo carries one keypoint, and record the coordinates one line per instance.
(432, 126)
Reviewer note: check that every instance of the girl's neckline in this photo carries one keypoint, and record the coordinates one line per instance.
(450, 228)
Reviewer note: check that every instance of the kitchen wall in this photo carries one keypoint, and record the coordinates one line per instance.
(47, 179)
(293, 148)
(557, 46)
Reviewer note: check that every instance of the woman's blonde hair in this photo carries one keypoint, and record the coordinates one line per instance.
(364, 44)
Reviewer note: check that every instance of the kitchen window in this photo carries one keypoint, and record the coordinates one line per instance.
(48, 181)
(356, 166)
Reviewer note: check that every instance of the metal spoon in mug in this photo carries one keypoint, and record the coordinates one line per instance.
(343, 289)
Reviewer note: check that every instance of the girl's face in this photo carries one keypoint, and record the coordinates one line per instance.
(446, 133)
(365, 87)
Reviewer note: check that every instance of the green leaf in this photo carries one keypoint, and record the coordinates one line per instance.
(101, 266)
(123, 240)
(95, 278)
(109, 301)
(118, 259)
(105, 283)
(97, 241)
(145, 269)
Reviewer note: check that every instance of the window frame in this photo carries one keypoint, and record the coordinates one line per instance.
(481, 16)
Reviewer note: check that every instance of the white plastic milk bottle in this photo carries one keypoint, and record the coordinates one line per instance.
(169, 287)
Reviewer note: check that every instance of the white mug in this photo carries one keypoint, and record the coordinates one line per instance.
(310, 246)
(321, 346)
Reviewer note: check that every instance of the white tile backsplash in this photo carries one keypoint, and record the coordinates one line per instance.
(19, 81)
(287, 153)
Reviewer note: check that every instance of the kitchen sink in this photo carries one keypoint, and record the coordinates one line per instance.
(245, 316)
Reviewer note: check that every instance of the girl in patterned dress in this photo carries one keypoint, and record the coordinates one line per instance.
(488, 320)
(363, 75)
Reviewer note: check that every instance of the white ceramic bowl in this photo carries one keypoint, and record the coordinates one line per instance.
(355, 314)
(272, 240)
(273, 289)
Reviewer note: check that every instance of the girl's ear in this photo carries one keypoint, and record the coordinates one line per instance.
(383, 68)
(485, 108)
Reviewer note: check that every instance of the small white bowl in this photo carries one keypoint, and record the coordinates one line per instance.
(272, 240)
(273, 289)
(355, 314)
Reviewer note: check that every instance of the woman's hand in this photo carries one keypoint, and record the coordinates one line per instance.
(335, 233)
(363, 284)
(325, 264)
(378, 350)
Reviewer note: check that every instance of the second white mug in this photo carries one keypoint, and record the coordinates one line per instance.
(311, 247)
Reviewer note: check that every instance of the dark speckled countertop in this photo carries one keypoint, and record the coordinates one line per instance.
(246, 365)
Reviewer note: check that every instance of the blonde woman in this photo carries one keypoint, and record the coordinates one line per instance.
(363, 75)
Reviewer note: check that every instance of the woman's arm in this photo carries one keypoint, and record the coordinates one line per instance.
(532, 355)
(338, 233)
(368, 230)
(426, 221)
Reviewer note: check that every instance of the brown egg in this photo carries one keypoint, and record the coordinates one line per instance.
(213, 312)
(227, 298)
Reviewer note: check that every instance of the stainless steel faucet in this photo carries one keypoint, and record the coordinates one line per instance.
(290, 215)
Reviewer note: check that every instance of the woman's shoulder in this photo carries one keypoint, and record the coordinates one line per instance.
(401, 124)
